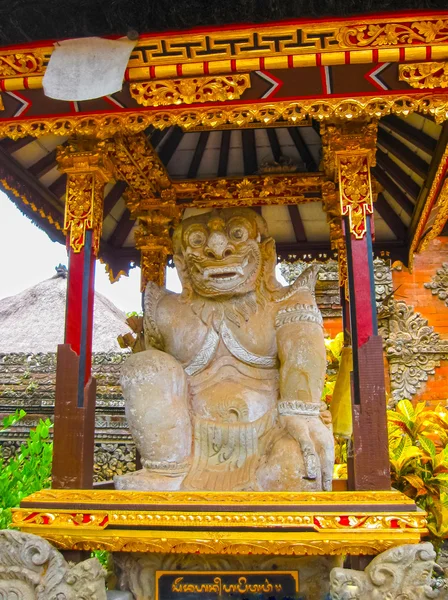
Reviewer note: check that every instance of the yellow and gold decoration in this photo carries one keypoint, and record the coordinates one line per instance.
(88, 169)
(190, 90)
(281, 523)
(355, 190)
(425, 75)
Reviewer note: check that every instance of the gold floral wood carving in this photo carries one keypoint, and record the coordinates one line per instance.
(425, 75)
(88, 169)
(190, 90)
(355, 190)
(392, 34)
(437, 201)
(126, 498)
(204, 522)
(27, 62)
(264, 113)
(252, 191)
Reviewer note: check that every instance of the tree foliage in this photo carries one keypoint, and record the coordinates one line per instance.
(27, 471)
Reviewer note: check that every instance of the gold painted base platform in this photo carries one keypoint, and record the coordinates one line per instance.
(269, 523)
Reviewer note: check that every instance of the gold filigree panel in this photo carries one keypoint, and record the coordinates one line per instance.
(190, 90)
(428, 75)
(393, 34)
(88, 169)
(266, 114)
(355, 191)
(26, 62)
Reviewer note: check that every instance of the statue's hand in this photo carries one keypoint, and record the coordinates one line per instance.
(317, 444)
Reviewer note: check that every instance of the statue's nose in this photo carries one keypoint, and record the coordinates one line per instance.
(218, 245)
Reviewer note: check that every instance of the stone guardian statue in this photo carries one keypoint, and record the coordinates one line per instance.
(227, 395)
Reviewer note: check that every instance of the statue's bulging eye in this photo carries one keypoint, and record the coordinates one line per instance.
(239, 234)
(196, 239)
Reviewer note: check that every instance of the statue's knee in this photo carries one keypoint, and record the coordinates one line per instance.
(155, 370)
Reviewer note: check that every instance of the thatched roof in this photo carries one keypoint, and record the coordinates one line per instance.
(25, 21)
(33, 321)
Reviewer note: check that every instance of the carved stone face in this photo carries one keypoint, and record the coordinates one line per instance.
(221, 251)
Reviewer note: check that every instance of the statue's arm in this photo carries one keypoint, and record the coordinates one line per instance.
(153, 296)
(302, 355)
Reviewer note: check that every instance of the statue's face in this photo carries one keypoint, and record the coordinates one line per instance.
(222, 252)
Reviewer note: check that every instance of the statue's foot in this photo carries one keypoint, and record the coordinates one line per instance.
(149, 481)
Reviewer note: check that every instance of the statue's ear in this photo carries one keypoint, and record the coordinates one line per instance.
(269, 256)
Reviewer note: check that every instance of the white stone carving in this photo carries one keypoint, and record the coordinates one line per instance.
(402, 573)
(31, 569)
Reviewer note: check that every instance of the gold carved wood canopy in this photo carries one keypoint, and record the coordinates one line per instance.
(231, 117)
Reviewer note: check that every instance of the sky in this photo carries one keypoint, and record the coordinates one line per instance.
(28, 256)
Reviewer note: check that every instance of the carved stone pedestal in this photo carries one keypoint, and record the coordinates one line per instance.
(136, 571)
(402, 573)
(31, 569)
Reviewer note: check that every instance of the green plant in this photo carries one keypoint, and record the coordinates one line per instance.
(418, 455)
(27, 471)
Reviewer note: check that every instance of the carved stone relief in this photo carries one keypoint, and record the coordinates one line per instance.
(31, 569)
(412, 347)
(402, 573)
(439, 284)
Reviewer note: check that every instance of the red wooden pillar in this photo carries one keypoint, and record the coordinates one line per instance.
(370, 464)
(88, 169)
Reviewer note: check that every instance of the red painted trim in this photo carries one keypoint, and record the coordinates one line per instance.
(74, 300)
(401, 54)
(362, 296)
(375, 55)
(277, 80)
(428, 52)
(152, 72)
(262, 64)
(126, 75)
(371, 80)
(206, 71)
(437, 192)
(318, 59)
(179, 70)
(290, 61)
(233, 65)
(411, 15)
(347, 57)
(2, 85)
(88, 368)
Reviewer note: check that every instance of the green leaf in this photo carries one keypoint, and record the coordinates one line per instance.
(405, 408)
(428, 446)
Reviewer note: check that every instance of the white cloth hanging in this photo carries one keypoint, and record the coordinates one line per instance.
(87, 68)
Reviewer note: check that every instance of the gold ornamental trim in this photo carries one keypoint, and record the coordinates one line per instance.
(24, 62)
(355, 190)
(363, 544)
(6, 186)
(128, 497)
(102, 519)
(190, 90)
(428, 75)
(222, 523)
(88, 170)
(243, 115)
(417, 244)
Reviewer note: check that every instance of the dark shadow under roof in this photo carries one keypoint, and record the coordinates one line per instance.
(24, 21)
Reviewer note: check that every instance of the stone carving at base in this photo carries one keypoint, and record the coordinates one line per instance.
(31, 569)
(136, 572)
(227, 395)
(402, 573)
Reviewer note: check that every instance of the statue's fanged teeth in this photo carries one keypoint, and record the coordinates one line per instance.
(223, 272)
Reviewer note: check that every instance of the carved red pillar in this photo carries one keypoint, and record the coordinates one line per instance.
(369, 467)
(88, 170)
(348, 154)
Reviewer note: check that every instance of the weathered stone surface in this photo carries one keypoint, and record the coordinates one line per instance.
(402, 573)
(31, 569)
(227, 394)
